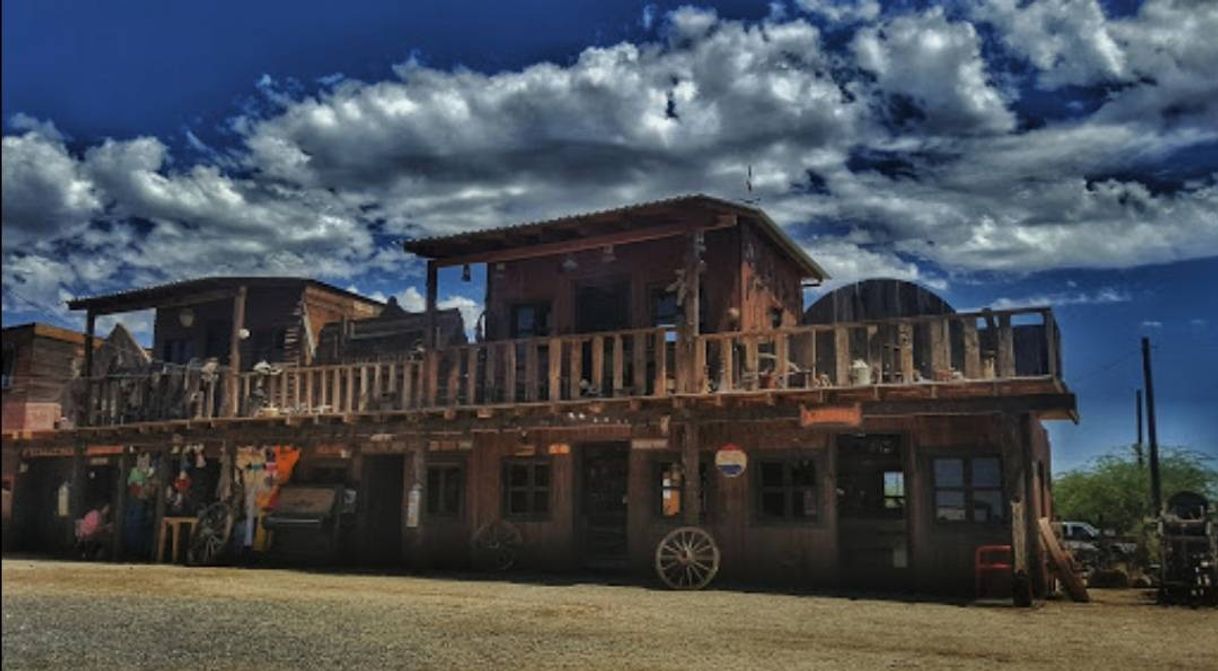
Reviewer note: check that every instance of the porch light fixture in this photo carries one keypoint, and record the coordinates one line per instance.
(569, 264)
(465, 273)
(500, 270)
(186, 317)
(607, 255)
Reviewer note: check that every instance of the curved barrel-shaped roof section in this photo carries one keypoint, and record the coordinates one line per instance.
(875, 299)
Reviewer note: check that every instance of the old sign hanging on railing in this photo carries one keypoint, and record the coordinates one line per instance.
(731, 460)
(831, 415)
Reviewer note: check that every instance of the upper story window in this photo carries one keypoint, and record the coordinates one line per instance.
(664, 308)
(969, 489)
(530, 320)
(269, 344)
(178, 350)
(786, 489)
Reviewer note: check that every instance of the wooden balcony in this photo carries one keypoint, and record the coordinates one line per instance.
(956, 351)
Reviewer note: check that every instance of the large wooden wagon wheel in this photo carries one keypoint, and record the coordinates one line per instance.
(687, 558)
(211, 534)
(496, 545)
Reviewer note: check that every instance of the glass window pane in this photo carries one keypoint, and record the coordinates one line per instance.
(433, 495)
(805, 503)
(771, 474)
(949, 505)
(541, 501)
(518, 502)
(894, 484)
(541, 475)
(518, 475)
(988, 505)
(803, 473)
(987, 472)
(773, 504)
(949, 472)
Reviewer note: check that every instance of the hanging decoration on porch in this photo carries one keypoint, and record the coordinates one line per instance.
(731, 460)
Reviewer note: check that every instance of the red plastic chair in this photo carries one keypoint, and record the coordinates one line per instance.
(991, 559)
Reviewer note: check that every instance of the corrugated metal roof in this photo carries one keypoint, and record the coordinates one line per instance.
(430, 247)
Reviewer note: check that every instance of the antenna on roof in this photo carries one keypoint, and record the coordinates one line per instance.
(748, 185)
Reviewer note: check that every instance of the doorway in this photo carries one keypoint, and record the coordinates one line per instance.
(383, 477)
(873, 526)
(602, 515)
(40, 507)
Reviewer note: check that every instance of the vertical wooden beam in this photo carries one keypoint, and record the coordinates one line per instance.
(1051, 343)
(87, 373)
(727, 354)
(234, 353)
(875, 354)
(407, 385)
(692, 507)
(431, 377)
(752, 362)
(555, 369)
(509, 372)
(687, 364)
(638, 352)
(336, 391)
(619, 352)
(1006, 347)
(350, 404)
(471, 376)
(575, 367)
(781, 359)
(972, 349)
(454, 375)
(489, 381)
(937, 336)
(661, 381)
(598, 364)
(841, 356)
(429, 336)
(531, 370)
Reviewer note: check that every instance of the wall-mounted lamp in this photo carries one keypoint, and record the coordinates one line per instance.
(186, 317)
(243, 334)
(465, 273)
(569, 264)
(500, 270)
(607, 255)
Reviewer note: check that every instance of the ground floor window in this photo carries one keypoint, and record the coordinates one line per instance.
(669, 486)
(526, 488)
(969, 489)
(445, 489)
(786, 489)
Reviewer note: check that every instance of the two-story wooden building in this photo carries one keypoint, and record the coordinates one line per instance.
(649, 396)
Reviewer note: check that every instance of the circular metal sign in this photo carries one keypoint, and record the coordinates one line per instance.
(731, 460)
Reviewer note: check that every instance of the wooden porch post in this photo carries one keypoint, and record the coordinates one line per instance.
(87, 372)
(689, 466)
(233, 387)
(76, 492)
(688, 378)
(431, 362)
(120, 506)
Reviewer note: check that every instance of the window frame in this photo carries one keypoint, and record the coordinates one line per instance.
(506, 489)
(459, 467)
(537, 306)
(656, 485)
(968, 490)
(789, 489)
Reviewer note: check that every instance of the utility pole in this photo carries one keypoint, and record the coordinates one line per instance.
(1156, 494)
(1137, 448)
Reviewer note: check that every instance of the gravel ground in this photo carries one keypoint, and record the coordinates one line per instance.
(86, 616)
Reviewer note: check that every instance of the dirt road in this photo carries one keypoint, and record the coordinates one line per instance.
(86, 616)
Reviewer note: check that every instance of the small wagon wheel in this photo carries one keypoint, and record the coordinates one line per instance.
(496, 545)
(211, 534)
(687, 558)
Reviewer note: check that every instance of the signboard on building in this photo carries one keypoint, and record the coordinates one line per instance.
(831, 415)
(731, 460)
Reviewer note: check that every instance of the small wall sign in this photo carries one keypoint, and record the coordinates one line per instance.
(831, 415)
(731, 460)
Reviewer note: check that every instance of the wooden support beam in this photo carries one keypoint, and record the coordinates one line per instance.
(576, 356)
(638, 352)
(972, 349)
(841, 356)
(598, 364)
(87, 373)
(509, 373)
(555, 369)
(689, 466)
(727, 354)
(471, 375)
(661, 372)
(231, 405)
(1006, 347)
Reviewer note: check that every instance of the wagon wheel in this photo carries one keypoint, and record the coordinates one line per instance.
(211, 534)
(496, 545)
(687, 558)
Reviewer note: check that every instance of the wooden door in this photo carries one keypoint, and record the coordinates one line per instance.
(873, 518)
(603, 508)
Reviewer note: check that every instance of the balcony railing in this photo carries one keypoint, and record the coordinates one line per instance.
(640, 363)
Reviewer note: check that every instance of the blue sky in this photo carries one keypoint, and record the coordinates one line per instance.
(1002, 152)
